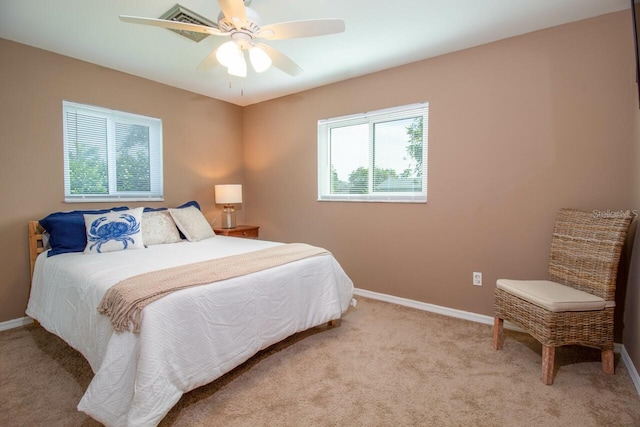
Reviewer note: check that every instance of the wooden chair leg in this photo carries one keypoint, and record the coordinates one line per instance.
(498, 333)
(607, 362)
(548, 362)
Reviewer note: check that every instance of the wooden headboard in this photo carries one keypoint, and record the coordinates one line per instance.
(36, 246)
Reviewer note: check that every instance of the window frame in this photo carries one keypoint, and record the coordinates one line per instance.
(371, 118)
(113, 117)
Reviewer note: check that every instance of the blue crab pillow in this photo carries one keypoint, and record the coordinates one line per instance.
(114, 231)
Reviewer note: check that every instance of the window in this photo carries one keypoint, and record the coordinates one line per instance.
(380, 156)
(110, 155)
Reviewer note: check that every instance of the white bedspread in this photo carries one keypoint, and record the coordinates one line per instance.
(188, 338)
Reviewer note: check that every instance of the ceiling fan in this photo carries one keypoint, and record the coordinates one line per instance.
(243, 25)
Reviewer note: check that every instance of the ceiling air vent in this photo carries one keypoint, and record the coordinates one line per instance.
(182, 14)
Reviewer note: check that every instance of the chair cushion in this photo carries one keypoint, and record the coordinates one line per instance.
(553, 296)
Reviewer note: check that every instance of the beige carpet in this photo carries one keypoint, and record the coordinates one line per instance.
(385, 365)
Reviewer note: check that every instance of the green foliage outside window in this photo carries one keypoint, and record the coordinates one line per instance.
(87, 170)
(132, 158)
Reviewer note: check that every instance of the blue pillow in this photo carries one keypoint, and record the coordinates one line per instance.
(67, 232)
(186, 205)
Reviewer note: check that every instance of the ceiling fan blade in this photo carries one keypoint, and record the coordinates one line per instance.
(209, 62)
(296, 29)
(172, 25)
(234, 11)
(280, 60)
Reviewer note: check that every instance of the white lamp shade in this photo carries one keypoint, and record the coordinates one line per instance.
(238, 67)
(228, 53)
(228, 194)
(259, 59)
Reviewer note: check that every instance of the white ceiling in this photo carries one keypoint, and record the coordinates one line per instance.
(379, 34)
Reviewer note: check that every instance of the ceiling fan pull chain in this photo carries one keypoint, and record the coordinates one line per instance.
(241, 85)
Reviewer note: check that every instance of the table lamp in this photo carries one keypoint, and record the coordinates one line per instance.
(228, 195)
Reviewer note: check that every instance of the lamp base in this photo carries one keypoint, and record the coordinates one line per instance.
(228, 217)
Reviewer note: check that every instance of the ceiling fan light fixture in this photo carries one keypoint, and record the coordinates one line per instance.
(243, 25)
(229, 53)
(238, 67)
(259, 59)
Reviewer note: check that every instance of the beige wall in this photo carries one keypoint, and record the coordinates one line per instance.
(517, 129)
(201, 140)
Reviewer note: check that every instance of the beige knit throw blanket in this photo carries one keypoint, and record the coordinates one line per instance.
(124, 301)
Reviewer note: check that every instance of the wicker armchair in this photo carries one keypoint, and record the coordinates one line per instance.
(575, 305)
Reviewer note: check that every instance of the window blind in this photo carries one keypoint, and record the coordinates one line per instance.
(111, 155)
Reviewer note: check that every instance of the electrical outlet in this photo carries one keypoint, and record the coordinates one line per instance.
(477, 278)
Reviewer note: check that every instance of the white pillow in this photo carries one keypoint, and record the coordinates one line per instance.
(192, 223)
(158, 227)
(113, 231)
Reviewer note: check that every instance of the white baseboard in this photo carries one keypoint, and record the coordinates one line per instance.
(15, 323)
(481, 318)
(633, 372)
(452, 312)
(446, 311)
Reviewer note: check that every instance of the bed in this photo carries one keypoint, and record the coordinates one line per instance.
(187, 338)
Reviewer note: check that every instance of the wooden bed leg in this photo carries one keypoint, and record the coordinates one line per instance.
(607, 362)
(548, 362)
(332, 323)
(498, 333)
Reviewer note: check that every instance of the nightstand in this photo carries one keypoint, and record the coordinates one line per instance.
(246, 231)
